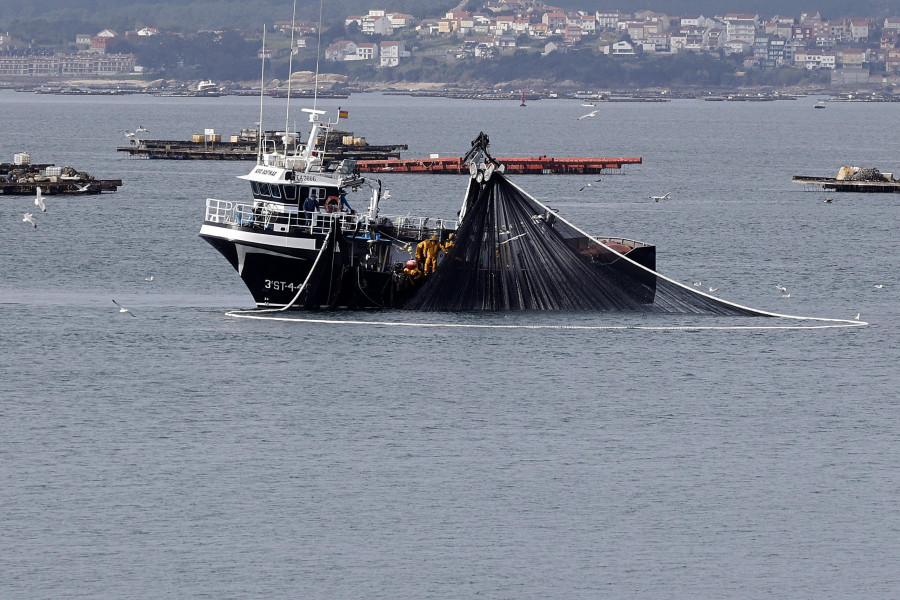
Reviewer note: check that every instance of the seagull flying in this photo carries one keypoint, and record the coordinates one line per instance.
(658, 198)
(856, 317)
(122, 309)
(386, 194)
(585, 186)
(698, 283)
(593, 113)
(827, 200)
(39, 200)
(141, 129)
(29, 218)
(129, 134)
(781, 288)
(83, 188)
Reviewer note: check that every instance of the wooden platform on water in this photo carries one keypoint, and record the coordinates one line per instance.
(540, 165)
(847, 185)
(49, 188)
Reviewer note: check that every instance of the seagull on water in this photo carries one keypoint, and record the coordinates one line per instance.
(39, 200)
(698, 283)
(827, 200)
(593, 113)
(878, 286)
(29, 218)
(658, 198)
(713, 289)
(148, 278)
(122, 309)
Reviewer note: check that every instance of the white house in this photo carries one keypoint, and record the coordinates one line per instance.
(740, 27)
(621, 48)
(392, 52)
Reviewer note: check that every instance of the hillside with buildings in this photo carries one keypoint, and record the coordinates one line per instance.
(500, 41)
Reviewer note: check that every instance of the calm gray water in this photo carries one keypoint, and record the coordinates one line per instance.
(186, 454)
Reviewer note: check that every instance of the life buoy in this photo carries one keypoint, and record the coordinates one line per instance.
(333, 204)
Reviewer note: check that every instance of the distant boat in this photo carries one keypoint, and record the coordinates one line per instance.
(588, 104)
(820, 104)
(523, 97)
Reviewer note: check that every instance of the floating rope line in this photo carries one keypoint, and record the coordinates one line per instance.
(828, 324)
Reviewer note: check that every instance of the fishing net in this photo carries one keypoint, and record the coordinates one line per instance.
(514, 253)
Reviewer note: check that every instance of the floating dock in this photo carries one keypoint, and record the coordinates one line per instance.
(22, 178)
(245, 146)
(853, 179)
(52, 188)
(540, 165)
(846, 185)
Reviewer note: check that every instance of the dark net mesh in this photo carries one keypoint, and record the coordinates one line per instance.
(514, 253)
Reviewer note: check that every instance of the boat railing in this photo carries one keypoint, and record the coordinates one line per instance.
(248, 215)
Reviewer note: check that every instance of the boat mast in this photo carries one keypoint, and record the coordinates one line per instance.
(287, 113)
(262, 89)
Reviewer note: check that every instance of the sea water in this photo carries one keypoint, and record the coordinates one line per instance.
(184, 453)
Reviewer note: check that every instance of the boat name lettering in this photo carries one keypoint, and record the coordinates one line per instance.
(281, 285)
(305, 178)
(269, 172)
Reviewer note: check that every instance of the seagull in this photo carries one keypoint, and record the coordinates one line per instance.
(878, 286)
(857, 316)
(122, 309)
(713, 289)
(129, 134)
(83, 188)
(785, 295)
(148, 278)
(29, 218)
(698, 283)
(827, 200)
(585, 186)
(781, 288)
(658, 198)
(39, 200)
(141, 129)
(590, 114)
(386, 194)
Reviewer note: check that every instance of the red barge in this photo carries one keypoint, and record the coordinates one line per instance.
(540, 165)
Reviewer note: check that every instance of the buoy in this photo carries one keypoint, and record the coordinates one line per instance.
(411, 264)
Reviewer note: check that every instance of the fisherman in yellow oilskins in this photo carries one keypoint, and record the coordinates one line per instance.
(449, 243)
(430, 249)
(411, 270)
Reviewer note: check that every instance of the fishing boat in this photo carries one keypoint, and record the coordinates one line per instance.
(343, 258)
(820, 104)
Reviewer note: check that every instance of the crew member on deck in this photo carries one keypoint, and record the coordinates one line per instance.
(430, 248)
(345, 206)
(412, 271)
(310, 208)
